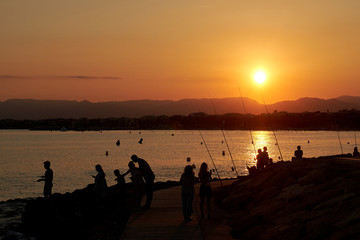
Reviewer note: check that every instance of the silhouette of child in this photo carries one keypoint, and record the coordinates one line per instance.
(120, 181)
(187, 181)
(47, 178)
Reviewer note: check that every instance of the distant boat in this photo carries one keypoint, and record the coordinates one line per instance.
(118, 143)
(141, 141)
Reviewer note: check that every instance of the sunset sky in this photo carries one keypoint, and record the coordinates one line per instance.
(170, 49)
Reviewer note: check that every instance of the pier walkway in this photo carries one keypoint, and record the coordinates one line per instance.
(165, 220)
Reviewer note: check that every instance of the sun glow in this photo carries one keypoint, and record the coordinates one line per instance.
(260, 77)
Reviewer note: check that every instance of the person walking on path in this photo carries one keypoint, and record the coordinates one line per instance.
(48, 179)
(187, 182)
(205, 189)
(149, 178)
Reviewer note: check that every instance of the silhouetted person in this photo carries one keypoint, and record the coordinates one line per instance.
(267, 160)
(187, 181)
(149, 178)
(205, 189)
(260, 160)
(356, 152)
(120, 182)
(48, 179)
(100, 185)
(298, 153)
(138, 182)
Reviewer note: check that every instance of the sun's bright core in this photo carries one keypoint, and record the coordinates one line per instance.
(259, 77)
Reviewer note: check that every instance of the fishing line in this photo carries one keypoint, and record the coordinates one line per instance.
(227, 145)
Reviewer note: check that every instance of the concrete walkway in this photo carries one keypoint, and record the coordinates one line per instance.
(165, 220)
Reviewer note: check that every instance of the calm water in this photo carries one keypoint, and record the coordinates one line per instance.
(73, 155)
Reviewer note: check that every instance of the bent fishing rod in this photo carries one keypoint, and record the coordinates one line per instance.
(227, 145)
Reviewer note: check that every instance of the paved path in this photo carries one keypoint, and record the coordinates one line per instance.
(165, 220)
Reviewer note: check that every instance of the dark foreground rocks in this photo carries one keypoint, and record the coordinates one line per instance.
(79, 215)
(306, 199)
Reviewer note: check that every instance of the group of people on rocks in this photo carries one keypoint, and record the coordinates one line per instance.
(142, 178)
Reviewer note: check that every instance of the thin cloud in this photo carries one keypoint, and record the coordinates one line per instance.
(89, 77)
(59, 77)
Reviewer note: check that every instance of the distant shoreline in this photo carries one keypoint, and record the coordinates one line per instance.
(345, 120)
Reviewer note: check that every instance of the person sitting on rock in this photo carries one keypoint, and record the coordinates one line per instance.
(260, 160)
(298, 153)
(356, 152)
(267, 161)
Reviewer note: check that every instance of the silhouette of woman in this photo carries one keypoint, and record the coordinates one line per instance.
(100, 185)
(205, 189)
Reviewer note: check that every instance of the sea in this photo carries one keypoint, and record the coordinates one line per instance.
(74, 154)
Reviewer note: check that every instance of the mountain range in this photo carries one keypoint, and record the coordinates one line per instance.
(21, 109)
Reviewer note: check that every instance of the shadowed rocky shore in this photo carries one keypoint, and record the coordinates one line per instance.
(76, 215)
(314, 198)
(311, 198)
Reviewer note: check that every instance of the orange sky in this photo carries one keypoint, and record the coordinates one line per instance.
(161, 49)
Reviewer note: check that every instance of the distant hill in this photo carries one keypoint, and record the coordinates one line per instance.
(45, 109)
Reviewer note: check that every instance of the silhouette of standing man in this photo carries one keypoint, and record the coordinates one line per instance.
(149, 178)
(47, 178)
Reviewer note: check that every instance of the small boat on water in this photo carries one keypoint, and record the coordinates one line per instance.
(118, 143)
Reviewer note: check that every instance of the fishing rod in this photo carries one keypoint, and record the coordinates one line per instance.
(251, 135)
(337, 131)
(210, 155)
(338, 134)
(212, 160)
(227, 145)
(355, 139)
(268, 115)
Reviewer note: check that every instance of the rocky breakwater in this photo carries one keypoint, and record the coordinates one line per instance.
(80, 215)
(314, 198)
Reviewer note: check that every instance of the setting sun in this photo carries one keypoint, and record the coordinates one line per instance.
(259, 77)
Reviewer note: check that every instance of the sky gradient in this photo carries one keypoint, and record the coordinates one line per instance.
(171, 49)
